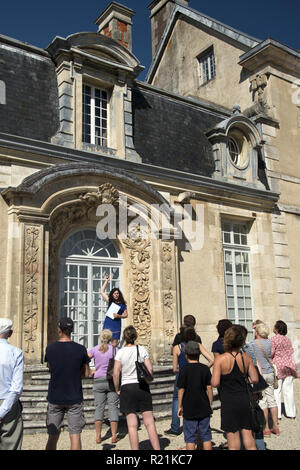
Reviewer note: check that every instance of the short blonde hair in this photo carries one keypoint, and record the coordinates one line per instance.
(262, 330)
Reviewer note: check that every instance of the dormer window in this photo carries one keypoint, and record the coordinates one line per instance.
(94, 116)
(207, 65)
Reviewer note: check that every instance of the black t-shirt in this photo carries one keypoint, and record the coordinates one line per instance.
(177, 339)
(65, 360)
(194, 378)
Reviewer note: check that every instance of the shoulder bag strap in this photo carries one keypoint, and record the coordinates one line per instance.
(264, 353)
(138, 356)
(248, 385)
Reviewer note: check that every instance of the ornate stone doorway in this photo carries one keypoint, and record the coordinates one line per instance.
(48, 208)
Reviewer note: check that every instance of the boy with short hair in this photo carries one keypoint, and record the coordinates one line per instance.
(195, 398)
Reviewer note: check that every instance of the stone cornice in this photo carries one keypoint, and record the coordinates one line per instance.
(274, 53)
(177, 181)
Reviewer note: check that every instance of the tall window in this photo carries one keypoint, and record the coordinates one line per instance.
(85, 262)
(94, 116)
(207, 66)
(237, 273)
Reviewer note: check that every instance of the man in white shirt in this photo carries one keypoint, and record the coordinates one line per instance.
(11, 386)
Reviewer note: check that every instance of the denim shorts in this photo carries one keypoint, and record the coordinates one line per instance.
(56, 414)
(190, 428)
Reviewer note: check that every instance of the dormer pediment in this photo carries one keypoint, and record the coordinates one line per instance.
(93, 46)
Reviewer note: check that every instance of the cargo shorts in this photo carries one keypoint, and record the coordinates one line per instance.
(56, 414)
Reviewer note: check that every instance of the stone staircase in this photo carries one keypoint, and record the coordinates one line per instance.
(35, 389)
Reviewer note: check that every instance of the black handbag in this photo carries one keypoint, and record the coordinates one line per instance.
(258, 421)
(110, 367)
(261, 385)
(143, 374)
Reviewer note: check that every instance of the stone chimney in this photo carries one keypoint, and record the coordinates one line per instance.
(115, 22)
(161, 11)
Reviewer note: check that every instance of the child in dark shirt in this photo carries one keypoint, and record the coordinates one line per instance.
(195, 398)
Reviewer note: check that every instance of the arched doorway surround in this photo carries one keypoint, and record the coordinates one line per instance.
(49, 207)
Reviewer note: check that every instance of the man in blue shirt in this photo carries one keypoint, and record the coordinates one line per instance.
(11, 386)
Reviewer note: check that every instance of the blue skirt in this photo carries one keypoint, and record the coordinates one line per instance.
(114, 326)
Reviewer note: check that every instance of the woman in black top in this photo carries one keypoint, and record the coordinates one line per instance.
(228, 376)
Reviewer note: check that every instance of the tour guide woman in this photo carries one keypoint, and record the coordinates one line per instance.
(114, 297)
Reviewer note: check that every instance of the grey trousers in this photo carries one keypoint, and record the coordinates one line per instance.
(103, 392)
(11, 428)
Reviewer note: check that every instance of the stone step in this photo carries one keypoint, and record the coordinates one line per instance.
(34, 397)
(38, 424)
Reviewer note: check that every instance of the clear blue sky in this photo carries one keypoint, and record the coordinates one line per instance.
(37, 22)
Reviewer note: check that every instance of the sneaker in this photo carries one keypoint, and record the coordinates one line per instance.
(173, 433)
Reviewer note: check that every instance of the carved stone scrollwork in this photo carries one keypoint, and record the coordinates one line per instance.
(139, 254)
(31, 286)
(106, 194)
(169, 292)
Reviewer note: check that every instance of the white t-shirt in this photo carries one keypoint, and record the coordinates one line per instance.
(128, 356)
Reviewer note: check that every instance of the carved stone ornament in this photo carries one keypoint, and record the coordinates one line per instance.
(169, 294)
(139, 255)
(106, 194)
(31, 287)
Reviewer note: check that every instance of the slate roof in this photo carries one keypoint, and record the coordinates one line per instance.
(171, 133)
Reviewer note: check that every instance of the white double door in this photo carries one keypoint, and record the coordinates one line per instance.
(80, 298)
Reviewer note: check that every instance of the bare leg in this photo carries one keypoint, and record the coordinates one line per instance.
(151, 429)
(132, 424)
(75, 441)
(266, 413)
(52, 441)
(207, 445)
(114, 429)
(274, 414)
(190, 446)
(233, 439)
(98, 427)
(248, 439)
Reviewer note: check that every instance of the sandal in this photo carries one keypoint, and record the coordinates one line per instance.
(275, 431)
(98, 440)
(267, 433)
(114, 440)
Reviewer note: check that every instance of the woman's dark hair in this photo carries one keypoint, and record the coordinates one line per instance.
(281, 327)
(234, 338)
(243, 330)
(187, 333)
(222, 326)
(111, 299)
(129, 334)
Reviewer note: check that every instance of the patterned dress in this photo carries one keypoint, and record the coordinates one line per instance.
(283, 356)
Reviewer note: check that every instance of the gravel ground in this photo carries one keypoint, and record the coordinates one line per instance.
(289, 438)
